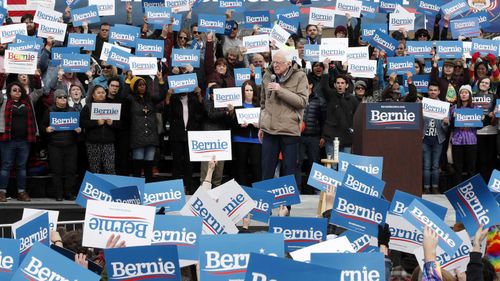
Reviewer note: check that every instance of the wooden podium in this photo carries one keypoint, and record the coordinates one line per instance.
(401, 149)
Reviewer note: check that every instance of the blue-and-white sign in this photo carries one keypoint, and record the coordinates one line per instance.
(322, 177)
(485, 46)
(119, 58)
(236, 5)
(420, 49)
(421, 82)
(86, 41)
(157, 15)
(401, 200)
(290, 25)
(79, 63)
(360, 242)
(290, 12)
(214, 23)
(57, 53)
(183, 83)
(311, 52)
(449, 49)
(123, 181)
(370, 164)
(494, 183)
(167, 194)
(369, 9)
(368, 30)
(126, 35)
(454, 8)
(9, 260)
(361, 181)
(384, 42)
(370, 265)
(94, 188)
(35, 228)
(149, 48)
(88, 14)
(429, 7)
(243, 74)
(263, 204)
(183, 57)
(64, 121)
(260, 18)
(401, 65)
(393, 116)
(284, 189)
(299, 232)
(468, 117)
(126, 195)
(389, 6)
(466, 27)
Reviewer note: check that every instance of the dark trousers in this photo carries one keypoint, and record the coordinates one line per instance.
(486, 155)
(272, 145)
(122, 157)
(464, 160)
(309, 145)
(248, 159)
(182, 165)
(63, 163)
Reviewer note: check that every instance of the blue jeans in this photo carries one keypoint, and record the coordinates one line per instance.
(431, 155)
(144, 153)
(272, 145)
(14, 151)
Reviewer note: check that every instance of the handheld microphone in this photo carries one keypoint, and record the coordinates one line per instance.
(273, 80)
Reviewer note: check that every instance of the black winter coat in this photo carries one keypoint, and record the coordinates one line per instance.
(314, 115)
(94, 132)
(174, 114)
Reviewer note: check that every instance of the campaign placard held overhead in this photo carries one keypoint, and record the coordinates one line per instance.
(48, 29)
(370, 265)
(370, 164)
(401, 200)
(336, 245)
(183, 57)
(143, 65)
(119, 58)
(357, 53)
(183, 83)
(278, 36)
(311, 52)
(44, 14)
(149, 48)
(399, 21)
(79, 63)
(10, 257)
(94, 188)
(383, 42)
(105, 111)
(211, 23)
(263, 204)
(322, 177)
(429, 7)
(126, 35)
(449, 49)
(466, 27)
(362, 68)
(299, 232)
(205, 145)
(326, 17)
(235, 202)
(333, 48)
(256, 43)
(494, 183)
(35, 228)
(361, 181)
(454, 8)
(157, 15)
(420, 49)
(259, 18)
(8, 32)
(401, 65)
(88, 15)
(435, 109)
(393, 116)
(285, 190)
(85, 41)
(64, 121)
(106, 49)
(368, 30)
(167, 194)
(227, 96)
(468, 117)
(485, 46)
(343, 7)
(243, 74)
(20, 62)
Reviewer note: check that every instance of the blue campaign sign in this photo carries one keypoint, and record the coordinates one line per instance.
(483, 18)
(420, 49)
(225, 257)
(123, 181)
(468, 117)
(449, 49)
(243, 74)
(126, 195)
(156, 263)
(428, 67)
(474, 204)
(236, 5)
(214, 23)
(494, 183)
(92, 266)
(167, 194)
(311, 52)
(299, 232)
(466, 27)
(290, 12)
(360, 242)
(228, 27)
(181, 231)
(421, 82)
(126, 35)
(119, 58)
(94, 188)
(401, 200)
(42, 263)
(149, 48)
(401, 65)
(454, 8)
(25, 39)
(263, 204)
(370, 164)
(88, 14)
(369, 9)
(183, 57)
(152, 3)
(369, 29)
(183, 83)
(157, 15)
(3, 14)
(358, 212)
(264, 267)
(429, 7)
(420, 216)
(86, 41)
(284, 189)
(361, 181)
(389, 6)
(321, 177)
(289, 24)
(24, 46)
(370, 265)
(485, 46)
(34, 230)
(79, 63)
(393, 116)
(59, 51)
(384, 42)
(64, 121)
(260, 18)
(9, 258)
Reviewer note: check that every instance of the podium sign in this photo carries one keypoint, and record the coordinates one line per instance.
(392, 116)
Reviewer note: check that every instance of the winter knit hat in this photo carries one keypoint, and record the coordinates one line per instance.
(466, 88)
(134, 81)
(360, 83)
(60, 93)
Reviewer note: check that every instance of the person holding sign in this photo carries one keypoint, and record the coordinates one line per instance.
(448, 83)
(217, 71)
(479, 69)
(62, 147)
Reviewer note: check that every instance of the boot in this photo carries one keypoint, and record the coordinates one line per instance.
(137, 168)
(148, 170)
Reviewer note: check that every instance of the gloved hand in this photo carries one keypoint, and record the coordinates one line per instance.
(491, 59)
(475, 56)
(384, 235)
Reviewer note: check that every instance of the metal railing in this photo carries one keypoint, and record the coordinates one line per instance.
(6, 229)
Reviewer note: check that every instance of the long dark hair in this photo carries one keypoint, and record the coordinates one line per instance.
(24, 95)
(256, 95)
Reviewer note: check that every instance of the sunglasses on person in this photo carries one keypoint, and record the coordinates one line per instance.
(183, 38)
(359, 88)
(62, 97)
(107, 66)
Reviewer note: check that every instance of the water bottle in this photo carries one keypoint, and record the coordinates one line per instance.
(336, 144)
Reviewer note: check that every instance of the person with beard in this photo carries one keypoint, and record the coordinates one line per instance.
(313, 32)
(101, 37)
(30, 25)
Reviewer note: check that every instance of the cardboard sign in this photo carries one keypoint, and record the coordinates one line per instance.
(359, 242)
(337, 245)
(299, 232)
(263, 204)
(64, 121)
(285, 269)
(235, 202)
(105, 7)
(179, 6)
(322, 177)
(227, 96)
(10, 257)
(75, 63)
(284, 189)
(429, 7)
(256, 43)
(42, 262)
(474, 204)
(420, 49)
(157, 15)
(389, 6)
(94, 188)
(362, 68)
(333, 48)
(44, 14)
(181, 231)
(106, 49)
(183, 83)
(358, 212)
(31, 229)
(101, 110)
(357, 53)
(143, 65)
(259, 18)
(358, 264)
(86, 41)
(384, 42)
(369, 9)
(311, 52)
(449, 49)
(279, 36)
(133, 223)
(92, 266)
(401, 200)
(343, 7)
(485, 46)
(467, 27)
(435, 109)
(119, 58)
(215, 221)
(145, 262)
(149, 48)
(454, 8)
(468, 117)
(126, 35)
(20, 62)
(393, 116)
(89, 14)
(126, 195)
(420, 216)
(211, 23)
(289, 12)
(325, 17)
(483, 101)
(370, 164)
(401, 65)
(124, 181)
(399, 21)
(368, 30)
(405, 237)
(243, 74)
(183, 57)
(494, 183)
(226, 257)
(421, 82)
(53, 216)
(48, 29)
(8, 32)
(361, 181)
(167, 194)
(204, 145)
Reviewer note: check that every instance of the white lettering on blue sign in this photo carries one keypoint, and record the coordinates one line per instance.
(64, 121)
(135, 271)
(40, 235)
(350, 209)
(419, 215)
(473, 204)
(299, 234)
(453, 9)
(36, 271)
(211, 24)
(178, 237)
(81, 41)
(364, 274)
(324, 179)
(148, 48)
(183, 58)
(84, 16)
(468, 117)
(261, 206)
(383, 43)
(75, 63)
(250, 19)
(182, 83)
(6, 262)
(354, 184)
(93, 193)
(378, 116)
(162, 197)
(122, 36)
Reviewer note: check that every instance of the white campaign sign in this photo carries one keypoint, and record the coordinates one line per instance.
(326, 17)
(106, 47)
(279, 36)
(362, 68)
(8, 32)
(53, 216)
(143, 65)
(409, 234)
(47, 15)
(48, 29)
(104, 7)
(225, 96)
(105, 111)
(21, 62)
(336, 245)
(235, 202)
(215, 221)
(357, 53)
(291, 54)
(333, 48)
(204, 145)
(256, 43)
(435, 108)
(352, 7)
(134, 223)
(401, 20)
(248, 115)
